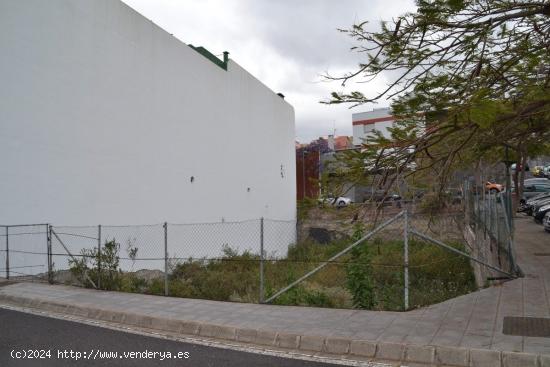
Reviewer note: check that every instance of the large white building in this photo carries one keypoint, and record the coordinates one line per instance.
(364, 123)
(107, 118)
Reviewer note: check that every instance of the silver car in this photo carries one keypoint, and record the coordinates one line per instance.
(546, 222)
(532, 189)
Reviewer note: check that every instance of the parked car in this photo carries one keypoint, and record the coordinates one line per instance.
(541, 212)
(493, 187)
(513, 167)
(534, 180)
(380, 195)
(532, 189)
(546, 222)
(538, 171)
(340, 201)
(531, 181)
(537, 204)
(537, 180)
(528, 206)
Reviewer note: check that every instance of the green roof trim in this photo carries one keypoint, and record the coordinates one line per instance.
(210, 56)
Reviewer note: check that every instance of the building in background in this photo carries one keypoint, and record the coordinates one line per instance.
(337, 143)
(381, 120)
(310, 160)
(107, 118)
(365, 122)
(308, 168)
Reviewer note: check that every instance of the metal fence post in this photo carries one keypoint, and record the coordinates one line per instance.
(49, 251)
(465, 199)
(491, 213)
(484, 201)
(262, 260)
(497, 214)
(7, 253)
(511, 257)
(476, 202)
(406, 257)
(99, 256)
(165, 258)
(494, 227)
(512, 221)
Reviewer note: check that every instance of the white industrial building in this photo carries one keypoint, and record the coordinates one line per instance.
(364, 123)
(107, 118)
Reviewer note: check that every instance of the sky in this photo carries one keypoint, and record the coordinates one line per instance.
(288, 45)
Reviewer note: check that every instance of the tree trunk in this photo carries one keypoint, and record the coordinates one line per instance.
(478, 175)
(519, 176)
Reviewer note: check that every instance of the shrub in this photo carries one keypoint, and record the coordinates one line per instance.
(95, 266)
(369, 277)
(232, 277)
(360, 278)
(155, 286)
(129, 282)
(375, 274)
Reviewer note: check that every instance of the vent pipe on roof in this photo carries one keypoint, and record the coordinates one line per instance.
(225, 58)
(210, 56)
(281, 95)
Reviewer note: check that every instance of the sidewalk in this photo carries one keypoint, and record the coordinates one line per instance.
(458, 332)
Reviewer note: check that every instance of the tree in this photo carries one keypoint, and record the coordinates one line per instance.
(468, 79)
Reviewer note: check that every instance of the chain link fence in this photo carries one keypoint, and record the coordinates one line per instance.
(411, 263)
(23, 251)
(200, 260)
(402, 258)
(398, 261)
(490, 229)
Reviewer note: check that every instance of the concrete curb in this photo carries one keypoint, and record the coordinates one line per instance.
(407, 354)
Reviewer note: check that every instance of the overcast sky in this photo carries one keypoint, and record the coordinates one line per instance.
(288, 45)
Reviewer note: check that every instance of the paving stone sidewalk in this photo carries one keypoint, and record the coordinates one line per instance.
(470, 321)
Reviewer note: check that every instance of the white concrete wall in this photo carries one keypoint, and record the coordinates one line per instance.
(358, 134)
(383, 128)
(104, 118)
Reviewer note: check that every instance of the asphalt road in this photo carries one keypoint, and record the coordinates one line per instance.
(26, 334)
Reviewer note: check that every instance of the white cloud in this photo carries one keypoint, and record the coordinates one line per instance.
(286, 44)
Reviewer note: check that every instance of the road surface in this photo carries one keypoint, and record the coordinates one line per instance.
(55, 342)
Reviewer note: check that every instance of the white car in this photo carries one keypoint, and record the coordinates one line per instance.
(339, 201)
